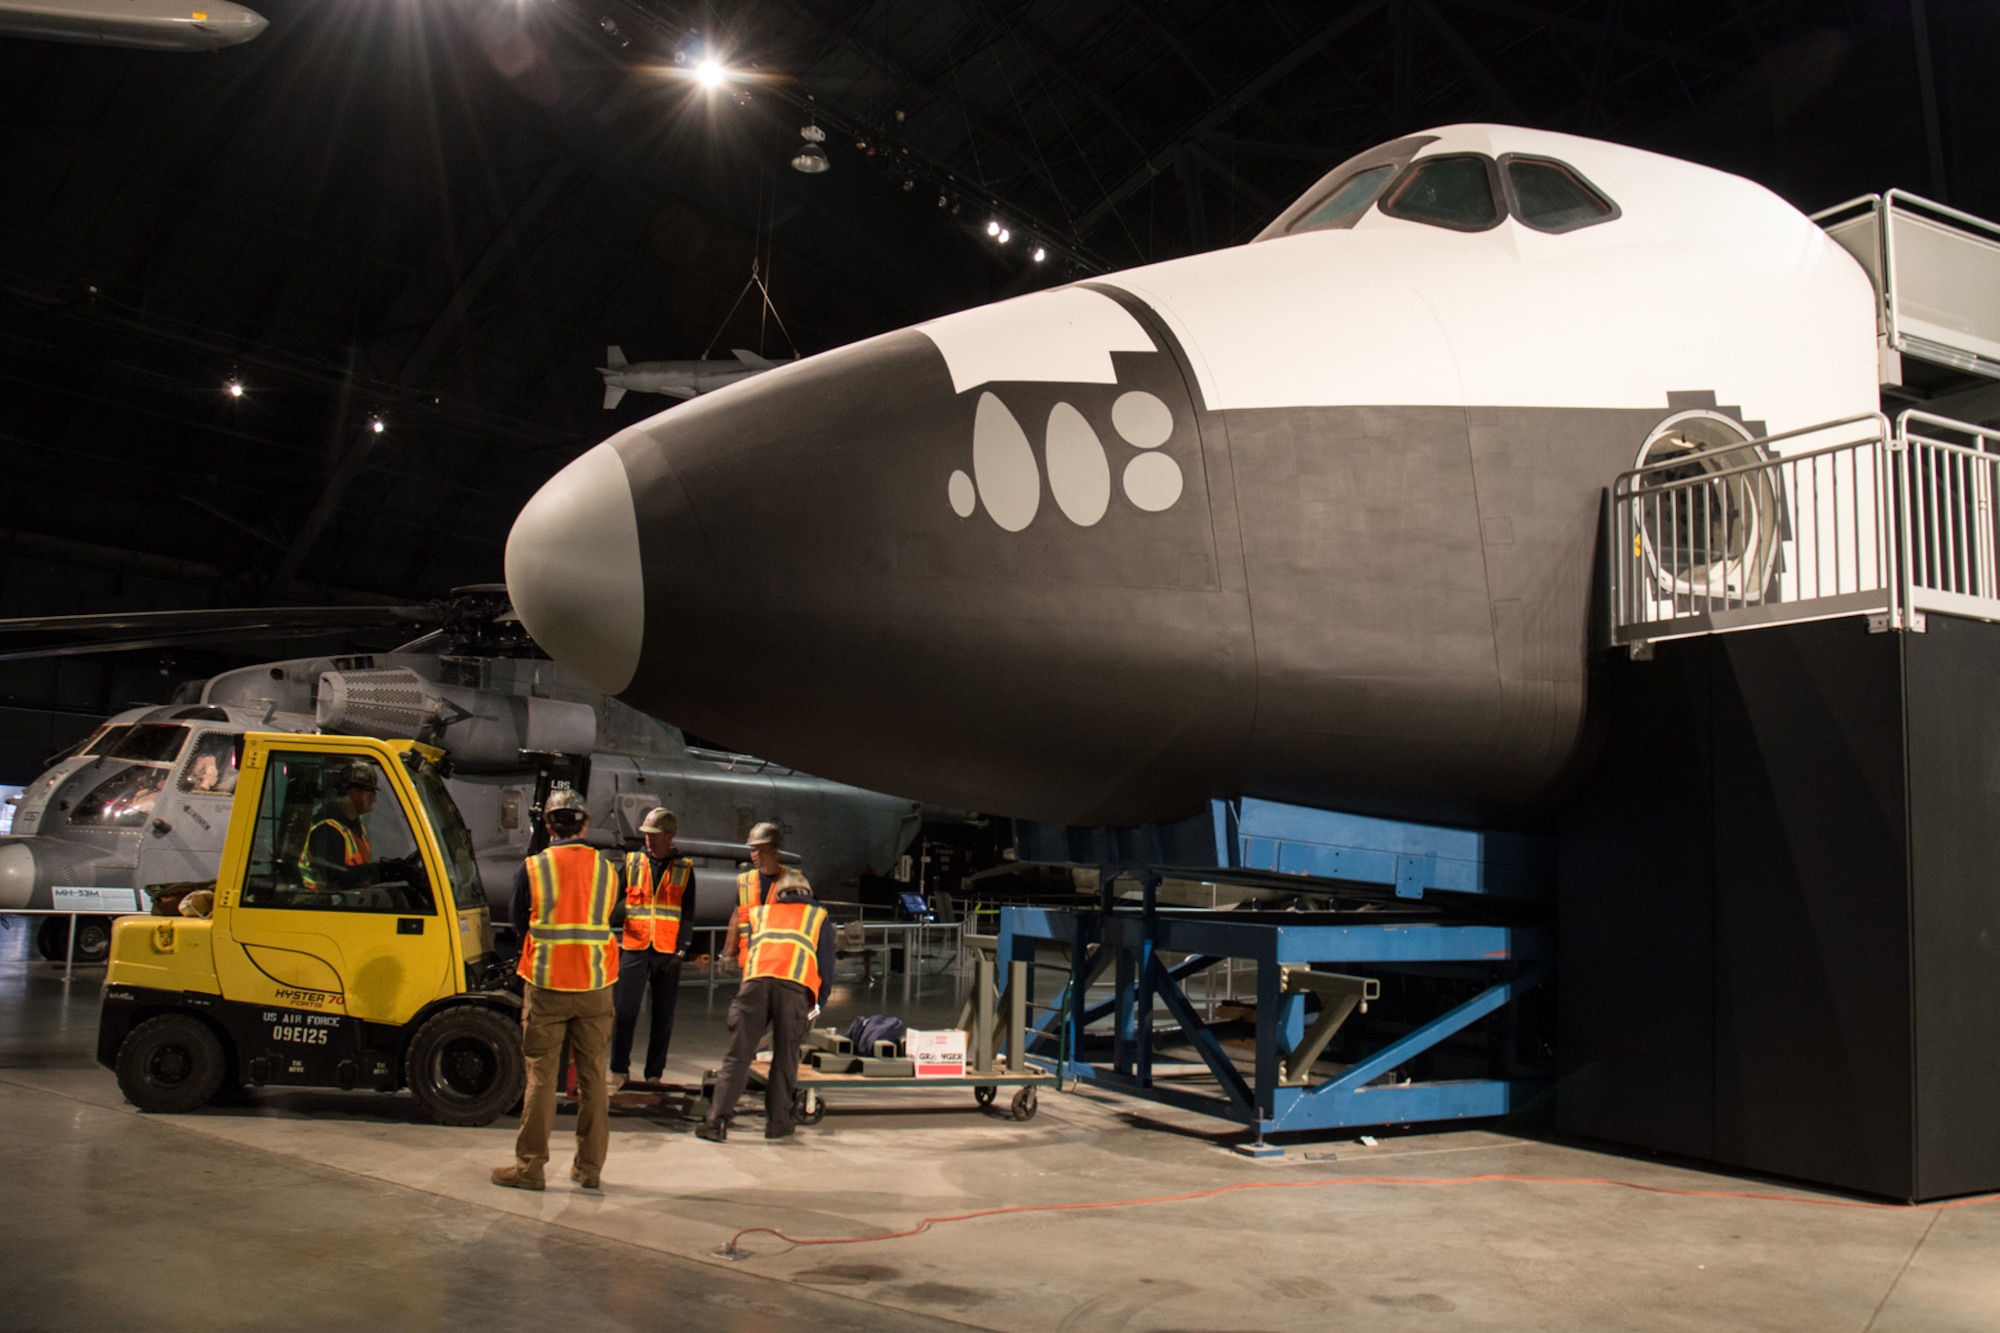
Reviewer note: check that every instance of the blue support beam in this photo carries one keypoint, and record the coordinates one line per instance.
(1514, 958)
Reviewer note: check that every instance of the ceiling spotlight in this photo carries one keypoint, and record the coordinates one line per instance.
(1040, 254)
(377, 425)
(1004, 236)
(234, 388)
(942, 201)
(710, 73)
(811, 158)
(992, 228)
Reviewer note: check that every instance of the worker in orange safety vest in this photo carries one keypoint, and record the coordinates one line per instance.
(659, 911)
(568, 910)
(786, 977)
(754, 886)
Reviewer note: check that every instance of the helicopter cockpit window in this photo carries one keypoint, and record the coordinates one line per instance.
(1551, 196)
(211, 766)
(90, 744)
(102, 739)
(1454, 191)
(123, 800)
(147, 743)
(332, 836)
(1348, 201)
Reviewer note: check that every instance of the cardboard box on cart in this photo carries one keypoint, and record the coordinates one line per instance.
(937, 1054)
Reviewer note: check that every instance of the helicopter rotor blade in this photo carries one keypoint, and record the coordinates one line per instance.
(173, 629)
(222, 618)
(191, 639)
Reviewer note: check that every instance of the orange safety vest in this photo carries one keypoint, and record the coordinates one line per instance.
(653, 911)
(354, 851)
(570, 947)
(749, 894)
(784, 943)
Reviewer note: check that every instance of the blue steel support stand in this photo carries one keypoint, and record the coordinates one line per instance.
(1340, 958)
(1129, 945)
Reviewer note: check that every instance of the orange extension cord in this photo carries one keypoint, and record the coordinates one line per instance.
(732, 1251)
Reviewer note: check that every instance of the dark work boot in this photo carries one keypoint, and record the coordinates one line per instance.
(712, 1130)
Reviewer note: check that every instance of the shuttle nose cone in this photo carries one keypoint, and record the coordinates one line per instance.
(573, 570)
(924, 564)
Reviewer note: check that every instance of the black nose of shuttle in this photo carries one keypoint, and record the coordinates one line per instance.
(945, 562)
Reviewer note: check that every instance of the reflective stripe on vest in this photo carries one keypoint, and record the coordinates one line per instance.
(354, 851)
(570, 946)
(749, 894)
(653, 911)
(784, 943)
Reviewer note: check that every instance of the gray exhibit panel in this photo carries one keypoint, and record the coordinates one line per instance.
(1777, 923)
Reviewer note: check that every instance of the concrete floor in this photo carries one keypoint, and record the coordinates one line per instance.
(336, 1210)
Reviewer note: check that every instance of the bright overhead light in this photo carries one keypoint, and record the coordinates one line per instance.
(377, 425)
(1040, 254)
(710, 73)
(992, 228)
(234, 388)
(1004, 236)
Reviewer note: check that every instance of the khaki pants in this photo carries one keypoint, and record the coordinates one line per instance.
(548, 1016)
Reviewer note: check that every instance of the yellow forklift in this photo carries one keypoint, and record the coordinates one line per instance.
(349, 946)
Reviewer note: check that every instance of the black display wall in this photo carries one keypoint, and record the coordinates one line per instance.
(1780, 907)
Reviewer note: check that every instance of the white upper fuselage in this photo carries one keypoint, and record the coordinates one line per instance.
(1705, 280)
(159, 25)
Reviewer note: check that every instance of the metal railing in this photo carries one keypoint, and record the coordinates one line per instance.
(1850, 517)
(1936, 271)
(1946, 520)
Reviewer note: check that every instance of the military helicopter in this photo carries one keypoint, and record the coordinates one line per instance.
(144, 800)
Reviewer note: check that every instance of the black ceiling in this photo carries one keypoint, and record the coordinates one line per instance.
(442, 210)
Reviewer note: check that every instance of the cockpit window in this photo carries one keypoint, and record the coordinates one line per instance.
(1349, 200)
(101, 739)
(1454, 191)
(212, 769)
(123, 800)
(148, 743)
(1551, 196)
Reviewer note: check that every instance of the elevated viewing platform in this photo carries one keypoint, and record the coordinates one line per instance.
(1863, 516)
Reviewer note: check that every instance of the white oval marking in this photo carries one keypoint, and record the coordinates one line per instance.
(964, 499)
(1153, 482)
(1010, 484)
(1079, 473)
(1143, 421)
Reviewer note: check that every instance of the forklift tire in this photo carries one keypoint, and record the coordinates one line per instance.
(93, 939)
(170, 1064)
(465, 1066)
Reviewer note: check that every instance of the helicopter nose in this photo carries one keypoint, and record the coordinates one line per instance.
(17, 874)
(573, 570)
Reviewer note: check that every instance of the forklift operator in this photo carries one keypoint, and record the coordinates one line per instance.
(338, 855)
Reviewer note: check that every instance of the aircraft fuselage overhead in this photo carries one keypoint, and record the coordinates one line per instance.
(153, 25)
(1313, 518)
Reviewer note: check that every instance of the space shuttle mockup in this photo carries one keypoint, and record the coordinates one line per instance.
(1314, 518)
